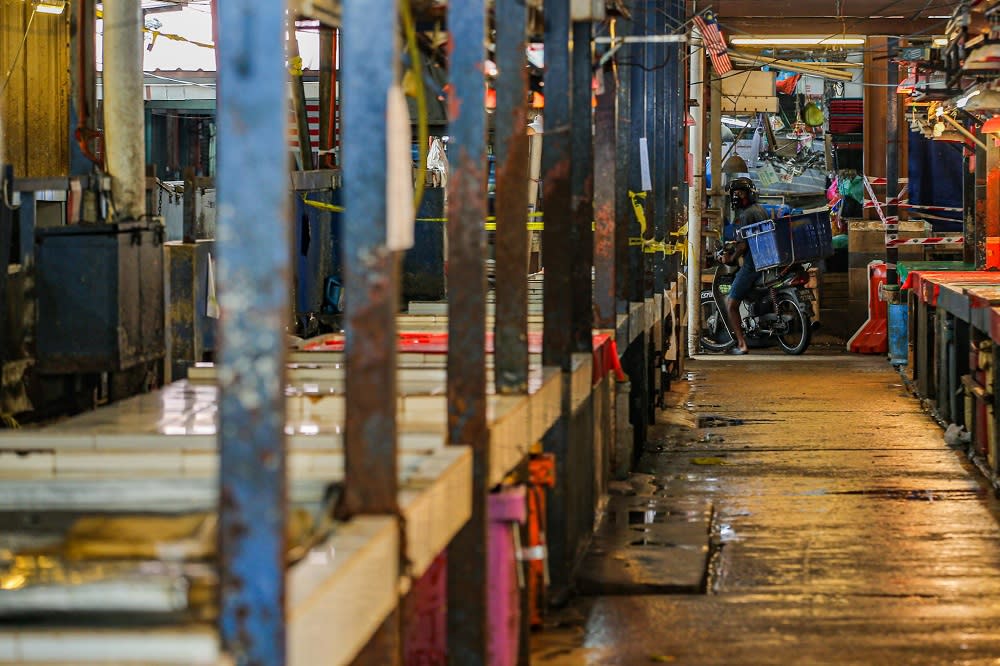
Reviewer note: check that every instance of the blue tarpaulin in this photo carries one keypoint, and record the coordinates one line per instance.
(936, 180)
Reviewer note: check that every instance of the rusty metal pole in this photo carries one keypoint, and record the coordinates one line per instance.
(468, 631)
(656, 81)
(605, 200)
(254, 277)
(327, 90)
(557, 340)
(892, 162)
(624, 217)
(637, 257)
(511, 325)
(581, 238)
(370, 48)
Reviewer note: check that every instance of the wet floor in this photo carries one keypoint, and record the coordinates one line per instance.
(841, 530)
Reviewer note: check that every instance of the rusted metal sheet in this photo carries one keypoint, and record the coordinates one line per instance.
(371, 284)
(581, 245)
(605, 200)
(35, 113)
(468, 633)
(511, 327)
(557, 342)
(254, 279)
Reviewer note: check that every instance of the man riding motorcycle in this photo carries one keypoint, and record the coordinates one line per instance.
(746, 210)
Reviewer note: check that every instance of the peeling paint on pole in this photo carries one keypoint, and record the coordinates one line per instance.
(254, 279)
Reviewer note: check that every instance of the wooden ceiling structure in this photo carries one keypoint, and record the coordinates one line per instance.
(831, 17)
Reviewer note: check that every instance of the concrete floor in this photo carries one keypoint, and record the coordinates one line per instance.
(841, 529)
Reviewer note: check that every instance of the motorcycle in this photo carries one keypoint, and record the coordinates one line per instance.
(778, 308)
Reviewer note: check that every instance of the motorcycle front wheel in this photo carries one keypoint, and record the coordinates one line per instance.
(715, 336)
(794, 328)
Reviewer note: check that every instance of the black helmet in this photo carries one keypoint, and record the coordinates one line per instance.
(745, 184)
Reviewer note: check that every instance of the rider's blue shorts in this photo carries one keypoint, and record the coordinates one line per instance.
(744, 279)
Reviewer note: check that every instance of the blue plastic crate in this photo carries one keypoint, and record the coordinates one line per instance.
(812, 238)
(788, 240)
(770, 242)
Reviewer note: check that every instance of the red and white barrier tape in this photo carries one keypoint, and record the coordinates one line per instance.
(942, 240)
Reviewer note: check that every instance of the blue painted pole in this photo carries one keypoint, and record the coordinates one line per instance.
(254, 286)
(557, 341)
(468, 628)
(660, 147)
(581, 237)
(637, 53)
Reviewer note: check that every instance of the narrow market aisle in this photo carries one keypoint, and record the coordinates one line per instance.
(840, 529)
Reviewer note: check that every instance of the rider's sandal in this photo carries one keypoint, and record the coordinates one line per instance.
(736, 351)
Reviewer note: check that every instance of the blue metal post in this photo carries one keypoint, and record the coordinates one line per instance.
(581, 236)
(369, 47)
(606, 198)
(254, 284)
(637, 53)
(624, 218)
(557, 341)
(468, 631)
(511, 327)
(659, 145)
(676, 161)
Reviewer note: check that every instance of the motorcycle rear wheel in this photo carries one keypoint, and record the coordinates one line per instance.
(715, 336)
(797, 332)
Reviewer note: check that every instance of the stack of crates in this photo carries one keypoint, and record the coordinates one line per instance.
(978, 393)
(800, 238)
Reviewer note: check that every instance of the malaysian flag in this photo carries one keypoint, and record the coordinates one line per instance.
(715, 44)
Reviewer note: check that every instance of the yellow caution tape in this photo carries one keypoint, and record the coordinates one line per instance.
(167, 35)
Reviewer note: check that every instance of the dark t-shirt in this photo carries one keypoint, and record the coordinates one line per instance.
(750, 214)
(744, 216)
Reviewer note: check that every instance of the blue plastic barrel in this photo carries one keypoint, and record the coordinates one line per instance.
(898, 335)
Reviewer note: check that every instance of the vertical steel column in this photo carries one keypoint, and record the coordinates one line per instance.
(637, 57)
(468, 632)
(605, 202)
(658, 145)
(299, 99)
(624, 217)
(557, 341)
(892, 160)
(511, 148)
(981, 203)
(124, 123)
(83, 69)
(254, 276)
(676, 116)
(581, 239)
(696, 192)
(969, 206)
(327, 92)
(370, 51)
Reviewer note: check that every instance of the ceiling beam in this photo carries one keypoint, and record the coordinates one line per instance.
(849, 9)
(739, 25)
